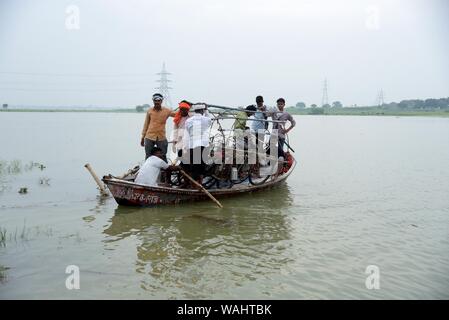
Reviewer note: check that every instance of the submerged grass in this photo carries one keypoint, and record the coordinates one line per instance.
(3, 236)
(24, 233)
(44, 181)
(16, 166)
(9, 169)
(3, 270)
(17, 235)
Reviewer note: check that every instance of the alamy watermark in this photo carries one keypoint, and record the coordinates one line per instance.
(373, 279)
(73, 280)
(372, 21)
(72, 19)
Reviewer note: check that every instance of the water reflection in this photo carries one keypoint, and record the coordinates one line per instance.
(197, 249)
(3, 275)
(99, 207)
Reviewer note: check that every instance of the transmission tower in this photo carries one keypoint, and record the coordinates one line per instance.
(163, 85)
(325, 99)
(380, 101)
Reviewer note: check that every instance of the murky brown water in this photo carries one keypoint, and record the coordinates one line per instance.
(367, 191)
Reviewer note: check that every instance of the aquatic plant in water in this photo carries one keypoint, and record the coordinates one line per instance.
(15, 166)
(44, 181)
(3, 165)
(2, 236)
(23, 190)
(3, 273)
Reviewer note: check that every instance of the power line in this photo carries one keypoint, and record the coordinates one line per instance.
(76, 74)
(62, 84)
(74, 90)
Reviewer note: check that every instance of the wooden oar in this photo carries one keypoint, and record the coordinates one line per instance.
(288, 146)
(97, 180)
(201, 188)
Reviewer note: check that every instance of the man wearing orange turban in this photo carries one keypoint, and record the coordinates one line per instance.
(179, 123)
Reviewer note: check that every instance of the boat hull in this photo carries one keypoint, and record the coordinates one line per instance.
(132, 194)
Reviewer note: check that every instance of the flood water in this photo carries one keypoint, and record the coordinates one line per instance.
(366, 191)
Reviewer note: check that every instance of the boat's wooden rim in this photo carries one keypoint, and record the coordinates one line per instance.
(161, 189)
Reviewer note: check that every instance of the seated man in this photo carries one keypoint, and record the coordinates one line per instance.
(149, 172)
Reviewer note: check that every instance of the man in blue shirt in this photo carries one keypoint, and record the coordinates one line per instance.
(260, 126)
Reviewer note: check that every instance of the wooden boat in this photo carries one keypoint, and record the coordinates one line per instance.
(128, 193)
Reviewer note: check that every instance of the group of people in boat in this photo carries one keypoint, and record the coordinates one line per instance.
(191, 124)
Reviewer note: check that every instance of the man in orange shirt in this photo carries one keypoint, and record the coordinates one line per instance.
(153, 132)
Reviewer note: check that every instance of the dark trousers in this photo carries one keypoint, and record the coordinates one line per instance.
(196, 165)
(281, 143)
(260, 139)
(150, 144)
(184, 166)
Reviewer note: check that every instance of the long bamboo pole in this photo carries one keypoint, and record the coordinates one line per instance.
(201, 188)
(237, 109)
(97, 180)
(235, 118)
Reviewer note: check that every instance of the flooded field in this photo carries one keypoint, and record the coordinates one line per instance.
(366, 191)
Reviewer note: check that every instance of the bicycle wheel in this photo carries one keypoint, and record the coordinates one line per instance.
(255, 178)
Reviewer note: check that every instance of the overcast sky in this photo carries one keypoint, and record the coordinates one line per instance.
(222, 52)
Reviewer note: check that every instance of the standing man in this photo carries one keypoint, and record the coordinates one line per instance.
(153, 132)
(195, 140)
(282, 116)
(260, 115)
(259, 127)
(179, 124)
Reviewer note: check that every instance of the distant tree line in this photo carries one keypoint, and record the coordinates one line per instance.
(442, 103)
(335, 104)
(416, 104)
(142, 108)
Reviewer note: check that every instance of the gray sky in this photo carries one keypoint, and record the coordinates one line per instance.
(222, 52)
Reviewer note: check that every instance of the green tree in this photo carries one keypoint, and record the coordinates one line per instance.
(444, 103)
(392, 105)
(139, 108)
(313, 105)
(327, 105)
(300, 105)
(316, 110)
(5, 106)
(431, 103)
(337, 104)
(403, 104)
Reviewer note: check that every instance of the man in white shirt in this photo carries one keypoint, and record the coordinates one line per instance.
(149, 172)
(196, 139)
